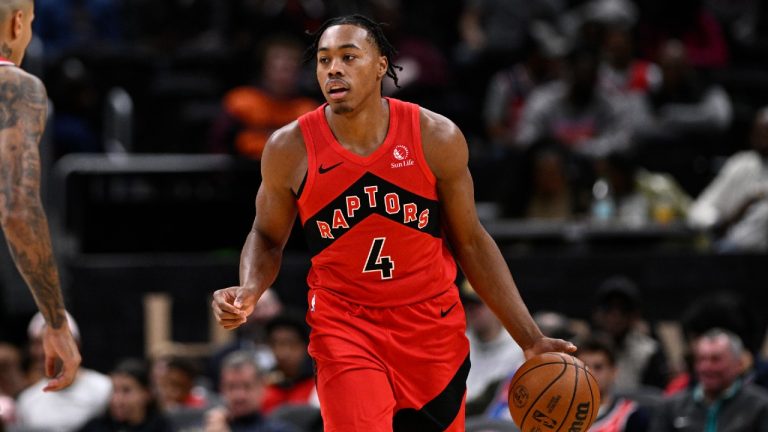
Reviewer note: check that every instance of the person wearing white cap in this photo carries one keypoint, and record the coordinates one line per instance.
(66, 410)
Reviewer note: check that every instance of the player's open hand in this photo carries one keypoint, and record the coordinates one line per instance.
(62, 357)
(232, 306)
(546, 344)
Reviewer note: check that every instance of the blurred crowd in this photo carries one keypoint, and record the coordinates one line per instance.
(708, 367)
(628, 112)
(618, 110)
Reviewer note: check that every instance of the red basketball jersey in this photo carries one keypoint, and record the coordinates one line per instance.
(373, 223)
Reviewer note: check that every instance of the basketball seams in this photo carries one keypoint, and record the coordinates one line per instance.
(573, 393)
(595, 402)
(544, 391)
(550, 383)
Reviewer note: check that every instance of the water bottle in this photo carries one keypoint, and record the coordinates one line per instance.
(603, 204)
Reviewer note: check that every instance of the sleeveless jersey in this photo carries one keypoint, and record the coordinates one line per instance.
(373, 222)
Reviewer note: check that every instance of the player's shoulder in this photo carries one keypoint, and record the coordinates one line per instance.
(437, 128)
(286, 140)
(17, 77)
(284, 157)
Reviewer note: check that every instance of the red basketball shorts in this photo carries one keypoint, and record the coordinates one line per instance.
(389, 369)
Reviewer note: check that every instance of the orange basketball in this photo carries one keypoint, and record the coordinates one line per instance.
(553, 392)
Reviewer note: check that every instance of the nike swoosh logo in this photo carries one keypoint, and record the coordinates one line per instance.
(444, 313)
(324, 170)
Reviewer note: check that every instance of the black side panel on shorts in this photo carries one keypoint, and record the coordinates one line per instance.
(438, 413)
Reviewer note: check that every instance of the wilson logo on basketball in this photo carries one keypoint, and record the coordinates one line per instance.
(582, 411)
(520, 396)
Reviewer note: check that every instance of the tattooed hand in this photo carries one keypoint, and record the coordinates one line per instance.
(23, 111)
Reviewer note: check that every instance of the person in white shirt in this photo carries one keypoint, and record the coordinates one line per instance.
(66, 410)
(492, 351)
(735, 205)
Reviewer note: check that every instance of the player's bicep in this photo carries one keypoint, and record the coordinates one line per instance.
(281, 164)
(275, 213)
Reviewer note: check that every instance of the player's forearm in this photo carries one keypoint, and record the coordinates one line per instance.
(259, 262)
(26, 229)
(489, 275)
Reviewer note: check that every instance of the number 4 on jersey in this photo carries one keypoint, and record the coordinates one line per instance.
(376, 262)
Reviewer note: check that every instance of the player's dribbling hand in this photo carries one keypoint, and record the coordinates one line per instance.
(546, 344)
(232, 306)
(60, 353)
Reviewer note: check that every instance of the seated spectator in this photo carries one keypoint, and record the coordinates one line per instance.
(492, 351)
(509, 88)
(621, 71)
(574, 112)
(726, 310)
(617, 315)
(132, 406)
(552, 197)
(735, 205)
(242, 388)
(252, 113)
(66, 410)
(175, 380)
(721, 401)
(292, 381)
(616, 414)
(682, 103)
(12, 381)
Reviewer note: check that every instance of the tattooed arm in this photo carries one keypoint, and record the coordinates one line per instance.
(23, 111)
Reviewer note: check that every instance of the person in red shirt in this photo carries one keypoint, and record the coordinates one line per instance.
(382, 189)
(292, 382)
(253, 112)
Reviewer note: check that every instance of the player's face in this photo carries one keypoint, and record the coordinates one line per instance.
(289, 349)
(242, 390)
(129, 399)
(716, 365)
(349, 67)
(601, 368)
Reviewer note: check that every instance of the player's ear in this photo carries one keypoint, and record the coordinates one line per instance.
(382, 66)
(17, 24)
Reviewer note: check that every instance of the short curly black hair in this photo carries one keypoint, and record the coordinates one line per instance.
(375, 35)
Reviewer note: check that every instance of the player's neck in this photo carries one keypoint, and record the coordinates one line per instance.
(363, 130)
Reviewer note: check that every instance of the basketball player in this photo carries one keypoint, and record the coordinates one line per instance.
(23, 110)
(382, 189)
